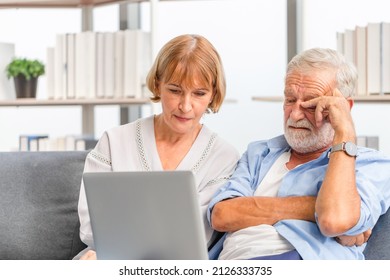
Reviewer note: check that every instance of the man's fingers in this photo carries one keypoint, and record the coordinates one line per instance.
(367, 235)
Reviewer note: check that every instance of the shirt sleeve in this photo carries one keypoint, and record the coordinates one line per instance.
(373, 183)
(98, 160)
(238, 185)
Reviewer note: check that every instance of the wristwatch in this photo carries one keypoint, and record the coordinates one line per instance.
(347, 147)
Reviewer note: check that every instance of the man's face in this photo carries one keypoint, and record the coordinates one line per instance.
(300, 129)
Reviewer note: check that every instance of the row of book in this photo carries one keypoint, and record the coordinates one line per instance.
(368, 141)
(42, 142)
(368, 47)
(99, 65)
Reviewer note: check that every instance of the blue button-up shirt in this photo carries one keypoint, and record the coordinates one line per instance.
(372, 180)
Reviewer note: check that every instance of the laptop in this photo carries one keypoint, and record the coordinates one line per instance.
(145, 215)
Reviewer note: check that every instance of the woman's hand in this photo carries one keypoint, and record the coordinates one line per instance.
(89, 255)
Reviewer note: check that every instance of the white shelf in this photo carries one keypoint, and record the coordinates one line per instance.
(59, 3)
(65, 3)
(357, 99)
(87, 106)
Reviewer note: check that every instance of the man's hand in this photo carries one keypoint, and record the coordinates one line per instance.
(335, 108)
(357, 240)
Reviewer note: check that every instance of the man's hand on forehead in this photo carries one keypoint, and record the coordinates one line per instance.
(328, 106)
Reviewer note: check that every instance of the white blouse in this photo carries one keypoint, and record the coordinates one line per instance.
(132, 147)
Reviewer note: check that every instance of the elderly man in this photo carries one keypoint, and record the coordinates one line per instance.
(310, 193)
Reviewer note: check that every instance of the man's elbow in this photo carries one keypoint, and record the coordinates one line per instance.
(218, 218)
(333, 226)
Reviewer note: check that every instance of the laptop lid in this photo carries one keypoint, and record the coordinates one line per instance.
(145, 215)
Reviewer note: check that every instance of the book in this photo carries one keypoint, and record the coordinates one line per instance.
(60, 66)
(361, 60)
(385, 62)
(368, 142)
(91, 60)
(7, 88)
(146, 62)
(119, 64)
(29, 142)
(71, 64)
(349, 45)
(373, 58)
(80, 142)
(109, 64)
(100, 79)
(340, 42)
(80, 65)
(49, 72)
(85, 144)
(137, 56)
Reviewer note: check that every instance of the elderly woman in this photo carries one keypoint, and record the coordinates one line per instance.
(187, 77)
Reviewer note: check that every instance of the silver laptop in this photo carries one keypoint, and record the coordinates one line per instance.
(145, 215)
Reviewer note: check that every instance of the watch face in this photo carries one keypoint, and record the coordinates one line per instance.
(350, 149)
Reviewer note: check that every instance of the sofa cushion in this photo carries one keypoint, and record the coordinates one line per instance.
(38, 204)
(378, 245)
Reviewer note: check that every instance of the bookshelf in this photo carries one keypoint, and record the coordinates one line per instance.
(87, 105)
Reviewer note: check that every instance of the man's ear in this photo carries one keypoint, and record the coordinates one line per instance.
(351, 102)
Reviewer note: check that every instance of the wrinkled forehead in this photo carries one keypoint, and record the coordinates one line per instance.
(316, 83)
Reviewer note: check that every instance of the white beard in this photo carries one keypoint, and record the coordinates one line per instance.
(306, 141)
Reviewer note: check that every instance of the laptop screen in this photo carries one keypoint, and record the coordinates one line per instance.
(145, 215)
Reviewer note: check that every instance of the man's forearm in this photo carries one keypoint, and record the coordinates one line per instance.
(242, 212)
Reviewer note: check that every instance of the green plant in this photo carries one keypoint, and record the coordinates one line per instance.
(26, 67)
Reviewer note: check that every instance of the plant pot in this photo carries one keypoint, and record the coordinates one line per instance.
(25, 88)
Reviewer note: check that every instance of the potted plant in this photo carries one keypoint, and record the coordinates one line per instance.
(25, 73)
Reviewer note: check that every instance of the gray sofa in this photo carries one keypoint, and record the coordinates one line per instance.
(38, 208)
(38, 205)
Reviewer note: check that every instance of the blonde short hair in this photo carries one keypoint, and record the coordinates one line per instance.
(183, 56)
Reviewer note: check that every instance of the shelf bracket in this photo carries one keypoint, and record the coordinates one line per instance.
(87, 18)
(88, 116)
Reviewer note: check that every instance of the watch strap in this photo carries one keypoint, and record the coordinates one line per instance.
(342, 147)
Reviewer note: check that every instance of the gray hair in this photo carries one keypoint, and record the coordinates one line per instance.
(319, 58)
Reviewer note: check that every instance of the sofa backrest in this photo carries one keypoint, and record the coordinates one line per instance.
(38, 204)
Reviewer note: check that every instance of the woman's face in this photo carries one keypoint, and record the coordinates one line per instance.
(183, 105)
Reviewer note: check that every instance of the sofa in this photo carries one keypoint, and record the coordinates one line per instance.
(38, 205)
(38, 208)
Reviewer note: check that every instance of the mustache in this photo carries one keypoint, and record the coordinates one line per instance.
(301, 123)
